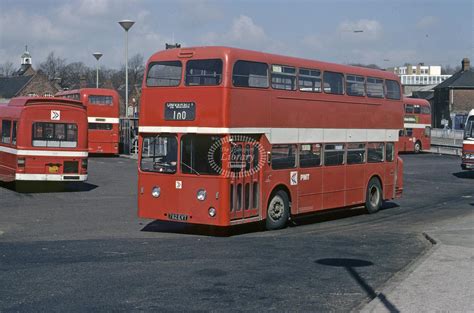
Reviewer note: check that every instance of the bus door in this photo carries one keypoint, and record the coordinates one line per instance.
(244, 180)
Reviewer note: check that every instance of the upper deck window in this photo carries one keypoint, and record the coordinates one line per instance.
(283, 77)
(393, 89)
(55, 135)
(334, 83)
(164, 74)
(374, 87)
(250, 74)
(355, 85)
(100, 100)
(6, 130)
(425, 110)
(309, 80)
(204, 72)
(409, 108)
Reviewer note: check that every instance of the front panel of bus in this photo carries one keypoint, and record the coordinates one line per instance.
(52, 144)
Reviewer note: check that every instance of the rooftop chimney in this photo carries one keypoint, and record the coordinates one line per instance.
(465, 64)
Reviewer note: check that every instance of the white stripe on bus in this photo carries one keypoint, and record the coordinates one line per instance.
(43, 152)
(289, 135)
(413, 125)
(110, 120)
(50, 177)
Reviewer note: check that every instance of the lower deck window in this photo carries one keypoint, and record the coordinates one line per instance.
(334, 154)
(355, 153)
(201, 154)
(159, 154)
(375, 152)
(283, 156)
(54, 135)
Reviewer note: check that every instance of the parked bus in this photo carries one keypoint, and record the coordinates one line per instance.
(416, 134)
(43, 139)
(231, 136)
(468, 143)
(103, 116)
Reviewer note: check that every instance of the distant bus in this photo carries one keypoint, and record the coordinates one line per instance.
(468, 143)
(230, 136)
(103, 116)
(416, 134)
(43, 139)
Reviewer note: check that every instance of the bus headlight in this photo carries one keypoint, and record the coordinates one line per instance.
(155, 192)
(201, 194)
(212, 211)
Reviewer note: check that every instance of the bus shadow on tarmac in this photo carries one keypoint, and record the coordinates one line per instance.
(464, 174)
(205, 230)
(47, 187)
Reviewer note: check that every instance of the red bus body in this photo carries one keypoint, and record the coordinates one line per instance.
(468, 143)
(103, 115)
(43, 139)
(279, 123)
(416, 134)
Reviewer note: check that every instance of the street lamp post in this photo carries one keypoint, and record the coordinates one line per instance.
(126, 25)
(97, 56)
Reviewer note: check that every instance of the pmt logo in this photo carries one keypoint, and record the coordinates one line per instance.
(55, 115)
(236, 156)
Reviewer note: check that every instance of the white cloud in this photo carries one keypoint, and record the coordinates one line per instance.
(427, 22)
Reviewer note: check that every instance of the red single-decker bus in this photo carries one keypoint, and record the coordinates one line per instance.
(43, 139)
(416, 134)
(230, 136)
(103, 116)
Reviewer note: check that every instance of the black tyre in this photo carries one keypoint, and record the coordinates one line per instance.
(278, 211)
(417, 147)
(373, 198)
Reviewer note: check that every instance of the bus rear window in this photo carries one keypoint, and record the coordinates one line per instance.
(393, 89)
(100, 100)
(54, 135)
(204, 72)
(100, 126)
(164, 74)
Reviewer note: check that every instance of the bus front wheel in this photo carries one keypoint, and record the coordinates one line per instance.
(278, 211)
(417, 148)
(373, 200)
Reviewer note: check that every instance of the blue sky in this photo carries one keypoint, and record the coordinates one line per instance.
(394, 32)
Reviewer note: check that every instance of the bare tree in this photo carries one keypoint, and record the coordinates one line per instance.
(7, 69)
(136, 68)
(53, 67)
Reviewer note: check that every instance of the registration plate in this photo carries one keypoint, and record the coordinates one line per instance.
(177, 217)
(53, 169)
(180, 111)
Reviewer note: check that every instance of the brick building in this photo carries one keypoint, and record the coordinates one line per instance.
(26, 82)
(454, 98)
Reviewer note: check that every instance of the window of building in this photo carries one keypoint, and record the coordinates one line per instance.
(164, 74)
(309, 80)
(333, 83)
(375, 152)
(32, 94)
(374, 87)
(355, 85)
(393, 89)
(6, 131)
(334, 154)
(100, 100)
(310, 155)
(283, 156)
(390, 151)
(355, 153)
(250, 74)
(283, 77)
(204, 72)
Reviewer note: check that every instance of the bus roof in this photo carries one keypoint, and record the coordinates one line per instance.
(95, 91)
(30, 101)
(418, 101)
(223, 52)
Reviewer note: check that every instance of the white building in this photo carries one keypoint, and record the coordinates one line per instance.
(420, 75)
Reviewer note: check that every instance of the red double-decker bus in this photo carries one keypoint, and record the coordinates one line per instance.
(416, 134)
(468, 143)
(43, 139)
(230, 136)
(103, 115)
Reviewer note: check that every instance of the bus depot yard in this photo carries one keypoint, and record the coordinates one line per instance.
(85, 250)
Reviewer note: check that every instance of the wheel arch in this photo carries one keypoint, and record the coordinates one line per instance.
(277, 188)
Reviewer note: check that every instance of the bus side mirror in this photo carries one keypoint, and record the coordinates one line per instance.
(269, 157)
